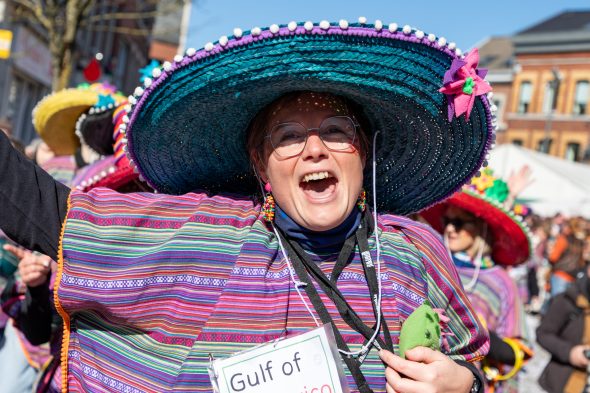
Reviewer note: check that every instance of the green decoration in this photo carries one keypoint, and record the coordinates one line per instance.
(421, 329)
(468, 86)
(498, 191)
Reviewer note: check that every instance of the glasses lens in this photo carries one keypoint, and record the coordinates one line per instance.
(338, 132)
(288, 139)
(456, 222)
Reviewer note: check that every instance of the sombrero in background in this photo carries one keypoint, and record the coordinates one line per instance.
(484, 198)
(95, 127)
(113, 171)
(187, 127)
(54, 118)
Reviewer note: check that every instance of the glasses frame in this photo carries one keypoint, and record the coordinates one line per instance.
(355, 124)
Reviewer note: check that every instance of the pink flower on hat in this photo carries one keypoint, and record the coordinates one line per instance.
(462, 83)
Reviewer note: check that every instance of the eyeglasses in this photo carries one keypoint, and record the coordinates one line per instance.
(456, 222)
(338, 133)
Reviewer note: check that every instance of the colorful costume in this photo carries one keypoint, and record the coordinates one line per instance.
(151, 286)
(491, 290)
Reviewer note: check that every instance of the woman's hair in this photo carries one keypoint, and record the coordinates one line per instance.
(259, 124)
(487, 237)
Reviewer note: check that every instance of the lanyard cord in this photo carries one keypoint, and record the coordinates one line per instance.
(302, 260)
(302, 264)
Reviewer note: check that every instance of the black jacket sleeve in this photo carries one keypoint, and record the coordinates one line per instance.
(32, 204)
(36, 317)
(548, 332)
(500, 351)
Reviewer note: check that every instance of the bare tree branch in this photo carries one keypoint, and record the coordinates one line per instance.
(85, 5)
(120, 29)
(128, 15)
(37, 10)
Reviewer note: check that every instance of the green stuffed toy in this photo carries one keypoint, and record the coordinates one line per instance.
(421, 329)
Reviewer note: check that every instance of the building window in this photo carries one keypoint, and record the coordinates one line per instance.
(581, 97)
(550, 99)
(544, 145)
(500, 101)
(526, 92)
(517, 142)
(572, 151)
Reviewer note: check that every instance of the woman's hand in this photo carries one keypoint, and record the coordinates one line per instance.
(519, 181)
(425, 371)
(577, 357)
(33, 268)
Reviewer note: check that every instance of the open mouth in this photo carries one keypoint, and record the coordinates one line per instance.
(318, 185)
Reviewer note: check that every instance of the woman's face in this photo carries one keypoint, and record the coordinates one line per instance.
(461, 230)
(322, 203)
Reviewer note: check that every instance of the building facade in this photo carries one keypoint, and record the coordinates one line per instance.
(26, 76)
(549, 105)
(496, 54)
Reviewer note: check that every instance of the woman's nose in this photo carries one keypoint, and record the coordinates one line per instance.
(314, 147)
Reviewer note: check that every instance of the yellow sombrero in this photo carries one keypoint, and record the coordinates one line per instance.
(55, 116)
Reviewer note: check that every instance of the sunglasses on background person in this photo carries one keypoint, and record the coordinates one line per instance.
(456, 222)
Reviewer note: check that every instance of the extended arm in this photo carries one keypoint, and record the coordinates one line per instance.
(33, 204)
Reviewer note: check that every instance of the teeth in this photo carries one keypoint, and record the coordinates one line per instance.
(316, 176)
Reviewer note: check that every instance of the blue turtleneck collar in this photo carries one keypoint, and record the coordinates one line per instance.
(326, 241)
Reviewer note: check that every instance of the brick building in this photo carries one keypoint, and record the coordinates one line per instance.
(549, 104)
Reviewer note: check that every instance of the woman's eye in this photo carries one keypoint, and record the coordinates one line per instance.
(288, 135)
(336, 133)
(335, 130)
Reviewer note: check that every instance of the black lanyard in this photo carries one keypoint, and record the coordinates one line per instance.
(302, 264)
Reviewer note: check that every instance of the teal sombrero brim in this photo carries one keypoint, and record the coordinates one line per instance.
(187, 130)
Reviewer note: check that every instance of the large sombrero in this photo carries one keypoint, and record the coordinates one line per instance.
(484, 198)
(187, 128)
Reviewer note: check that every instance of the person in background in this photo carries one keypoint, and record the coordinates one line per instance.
(35, 320)
(537, 264)
(566, 258)
(565, 333)
(484, 237)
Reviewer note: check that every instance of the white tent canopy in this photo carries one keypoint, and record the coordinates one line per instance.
(559, 185)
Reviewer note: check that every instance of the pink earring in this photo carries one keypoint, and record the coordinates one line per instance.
(268, 207)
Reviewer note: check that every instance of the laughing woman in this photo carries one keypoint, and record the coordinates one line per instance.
(152, 286)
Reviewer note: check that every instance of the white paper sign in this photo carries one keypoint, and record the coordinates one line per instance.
(306, 363)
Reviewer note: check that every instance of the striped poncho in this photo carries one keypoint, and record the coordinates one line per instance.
(496, 301)
(151, 285)
(61, 168)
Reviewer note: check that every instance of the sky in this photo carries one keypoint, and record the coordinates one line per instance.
(465, 22)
